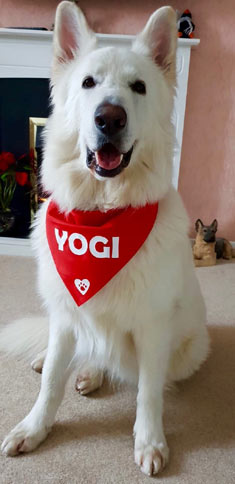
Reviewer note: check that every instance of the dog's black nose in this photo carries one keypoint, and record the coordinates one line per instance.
(110, 118)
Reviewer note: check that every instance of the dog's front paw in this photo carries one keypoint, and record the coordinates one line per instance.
(23, 439)
(151, 458)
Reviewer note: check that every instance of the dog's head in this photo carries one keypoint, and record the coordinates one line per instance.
(112, 107)
(206, 232)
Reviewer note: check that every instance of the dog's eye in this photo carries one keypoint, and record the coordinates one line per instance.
(139, 87)
(88, 83)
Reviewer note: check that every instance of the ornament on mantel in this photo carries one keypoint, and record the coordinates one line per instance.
(185, 25)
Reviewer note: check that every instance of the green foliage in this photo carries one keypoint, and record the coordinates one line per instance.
(7, 190)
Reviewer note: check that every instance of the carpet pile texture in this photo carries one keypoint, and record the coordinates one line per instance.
(91, 441)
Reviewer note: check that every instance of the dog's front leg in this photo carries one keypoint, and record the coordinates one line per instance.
(28, 434)
(152, 347)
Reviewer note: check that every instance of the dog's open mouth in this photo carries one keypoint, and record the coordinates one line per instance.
(108, 161)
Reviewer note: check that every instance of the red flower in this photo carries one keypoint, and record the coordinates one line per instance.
(3, 165)
(21, 178)
(6, 159)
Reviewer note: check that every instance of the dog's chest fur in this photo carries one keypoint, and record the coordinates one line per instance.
(143, 281)
(202, 248)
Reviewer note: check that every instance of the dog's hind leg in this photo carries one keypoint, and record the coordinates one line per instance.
(190, 355)
(206, 261)
(227, 250)
(193, 347)
(89, 380)
(38, 362)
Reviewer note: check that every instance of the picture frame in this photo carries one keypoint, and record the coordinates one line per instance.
(36, 126)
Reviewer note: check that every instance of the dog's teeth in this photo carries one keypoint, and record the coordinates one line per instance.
(121, 158)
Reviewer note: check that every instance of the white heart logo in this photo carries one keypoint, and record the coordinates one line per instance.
(82, 285)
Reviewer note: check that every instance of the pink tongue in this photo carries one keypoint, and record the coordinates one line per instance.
(108, 157)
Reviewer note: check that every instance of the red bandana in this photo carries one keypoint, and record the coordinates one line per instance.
(89, 248)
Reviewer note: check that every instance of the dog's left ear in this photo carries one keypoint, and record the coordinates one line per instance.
(72, 35)
(214, 225)
(158, 39)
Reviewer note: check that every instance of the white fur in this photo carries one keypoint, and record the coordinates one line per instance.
(147, 324)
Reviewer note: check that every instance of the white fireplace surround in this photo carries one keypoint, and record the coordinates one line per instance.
(27, 54)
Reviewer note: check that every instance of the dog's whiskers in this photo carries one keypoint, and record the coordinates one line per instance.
(146, 165)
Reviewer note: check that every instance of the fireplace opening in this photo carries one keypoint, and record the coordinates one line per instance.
(20, 100)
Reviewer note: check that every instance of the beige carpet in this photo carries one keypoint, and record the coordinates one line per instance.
(91, 441)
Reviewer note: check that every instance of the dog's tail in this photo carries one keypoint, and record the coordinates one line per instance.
(24, 337)
(233, 252)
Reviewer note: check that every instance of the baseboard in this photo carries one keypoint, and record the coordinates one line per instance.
(13, 246)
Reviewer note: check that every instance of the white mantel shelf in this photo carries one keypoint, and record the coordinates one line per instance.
(48, 34)
(31, 50)
(27, 53)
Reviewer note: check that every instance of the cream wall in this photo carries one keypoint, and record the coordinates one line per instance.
(207, 175)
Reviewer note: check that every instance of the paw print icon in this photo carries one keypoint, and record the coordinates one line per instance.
(82, 285)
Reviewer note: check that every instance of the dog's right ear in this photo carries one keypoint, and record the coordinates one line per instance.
(198, 225)
(214, 225)
(72, 35)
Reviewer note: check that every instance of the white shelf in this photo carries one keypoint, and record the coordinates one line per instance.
(48, 34)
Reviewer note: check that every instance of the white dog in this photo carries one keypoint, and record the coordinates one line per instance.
(109, 145)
